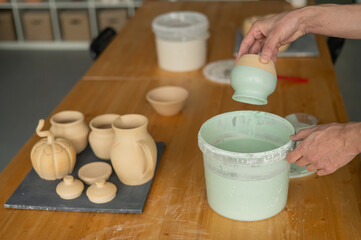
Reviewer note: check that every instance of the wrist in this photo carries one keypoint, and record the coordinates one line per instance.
(312, 19)
(307, 18)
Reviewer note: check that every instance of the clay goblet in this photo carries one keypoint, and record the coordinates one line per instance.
(252, 80)
(167, 100)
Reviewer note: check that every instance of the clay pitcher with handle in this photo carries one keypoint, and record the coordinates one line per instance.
(133, 153)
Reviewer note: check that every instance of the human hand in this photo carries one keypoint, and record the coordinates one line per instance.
(326, 148)
(270, 34)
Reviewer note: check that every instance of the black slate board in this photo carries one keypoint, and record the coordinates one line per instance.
(39, 194)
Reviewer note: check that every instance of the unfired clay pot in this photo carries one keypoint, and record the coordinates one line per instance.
(102, 134)
(167, 100)
(134, 153)
(71, 125)
(52, 158)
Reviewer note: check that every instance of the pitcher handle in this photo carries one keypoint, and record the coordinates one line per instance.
(148, 155)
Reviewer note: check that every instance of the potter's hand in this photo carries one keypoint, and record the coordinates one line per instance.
(326, 148)
(270, 34)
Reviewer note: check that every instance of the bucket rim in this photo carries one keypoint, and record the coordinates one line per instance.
(247, 159)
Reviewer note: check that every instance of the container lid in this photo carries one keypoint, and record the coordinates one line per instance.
(101, 191)
(181, 26)
(244, 124)
(69, 188)
(219, 71)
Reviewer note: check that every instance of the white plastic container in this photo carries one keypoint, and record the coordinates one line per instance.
(181, 40)
(245, 164)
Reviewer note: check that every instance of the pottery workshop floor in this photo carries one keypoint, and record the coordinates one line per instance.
(34, 82)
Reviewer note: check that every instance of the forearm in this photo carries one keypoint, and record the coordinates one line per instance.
(331, 20)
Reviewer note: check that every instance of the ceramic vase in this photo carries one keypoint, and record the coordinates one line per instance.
(102, 134)
(134, 153)
(252, 80)
(71, 125)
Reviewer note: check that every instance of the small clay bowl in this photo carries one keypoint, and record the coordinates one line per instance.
(167, 100)
(90, 172)
(252, 80)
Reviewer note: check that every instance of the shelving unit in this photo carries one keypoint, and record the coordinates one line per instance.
(17, 7)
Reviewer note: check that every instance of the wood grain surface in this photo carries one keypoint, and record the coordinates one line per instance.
(318, 207)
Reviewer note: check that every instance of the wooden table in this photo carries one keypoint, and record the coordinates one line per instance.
(318, 207)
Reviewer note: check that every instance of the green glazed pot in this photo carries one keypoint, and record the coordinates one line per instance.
(252, 85)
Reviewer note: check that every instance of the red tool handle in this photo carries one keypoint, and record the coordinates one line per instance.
(293, 79)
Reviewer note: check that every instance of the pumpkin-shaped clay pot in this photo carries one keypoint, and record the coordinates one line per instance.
(52, 158)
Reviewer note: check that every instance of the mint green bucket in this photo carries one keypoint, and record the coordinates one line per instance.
(245, 164)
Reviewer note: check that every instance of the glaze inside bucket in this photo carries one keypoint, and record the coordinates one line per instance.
(246, 170)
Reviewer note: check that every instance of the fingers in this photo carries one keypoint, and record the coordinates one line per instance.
(311, 167)
(300, 153)
(302, 134)
(294, 155)
(323, 172)
(255, 48)
(246, 44)
(269, 49)
(252, 42)
(302, 162)
(274, 57)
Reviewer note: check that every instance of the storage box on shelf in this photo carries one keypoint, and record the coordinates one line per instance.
(114, 18)
(74, 25)
(7, 29)
(63, 30)
(33, 1)
(37, 25)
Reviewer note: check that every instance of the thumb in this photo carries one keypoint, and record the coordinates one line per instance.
(301, 134)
